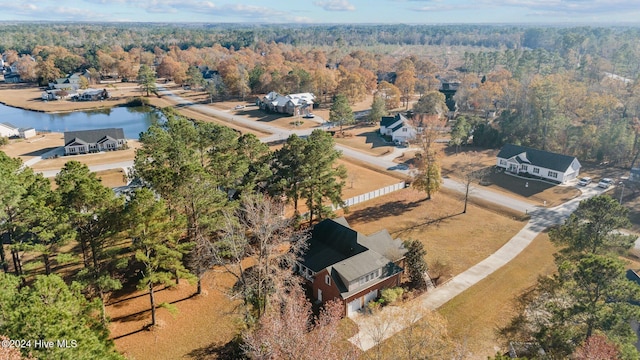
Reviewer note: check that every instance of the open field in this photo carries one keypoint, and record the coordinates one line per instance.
(27, 96)
(474, 316)
(457, 240)
(365, 138)
(199, 329)
(27, 149)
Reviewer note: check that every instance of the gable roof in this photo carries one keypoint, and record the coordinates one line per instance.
(390, 120)
(9, 126)
(546, 159)
(92, 136)
(334, 245)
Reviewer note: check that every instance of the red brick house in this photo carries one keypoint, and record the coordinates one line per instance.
(344, 264)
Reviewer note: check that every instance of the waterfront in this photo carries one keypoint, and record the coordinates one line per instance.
(133, 120)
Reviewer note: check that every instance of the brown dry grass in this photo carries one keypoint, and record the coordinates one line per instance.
(361, 179)
(366, 139)
(476, 314)
(112, 178)
(27, 149)
(28, 97)
(459, 240)
(201, 327)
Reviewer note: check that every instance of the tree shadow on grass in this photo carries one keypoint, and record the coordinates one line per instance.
(393, 208)
(219, 350)
(428, 222)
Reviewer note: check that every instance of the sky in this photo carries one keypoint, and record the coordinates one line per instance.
(583, 12)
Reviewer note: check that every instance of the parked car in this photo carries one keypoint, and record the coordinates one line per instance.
(584, 181)
(238, 107)
(605, 183)
(308, 116)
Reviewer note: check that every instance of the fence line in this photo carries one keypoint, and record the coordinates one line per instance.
(371, 195)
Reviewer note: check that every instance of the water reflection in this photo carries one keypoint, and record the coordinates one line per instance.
(133, 120)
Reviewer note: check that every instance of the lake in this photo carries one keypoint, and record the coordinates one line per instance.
(133, 120)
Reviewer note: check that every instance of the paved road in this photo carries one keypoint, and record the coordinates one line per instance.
(370, 326)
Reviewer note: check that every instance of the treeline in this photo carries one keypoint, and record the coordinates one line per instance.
(208, 197)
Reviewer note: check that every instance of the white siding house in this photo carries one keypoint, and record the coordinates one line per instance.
(538, 163)
(87, 141)
(8, 130)
(398, 127)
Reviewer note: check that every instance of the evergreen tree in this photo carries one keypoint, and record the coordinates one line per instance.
(341, 112)
(378, 109)
(147, 79)
(156, 242)
(50, 310)
(322, 180)
(416, 264)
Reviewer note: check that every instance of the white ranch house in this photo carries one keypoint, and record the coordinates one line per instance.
(88, 141)
(398, 127)
(538, 163)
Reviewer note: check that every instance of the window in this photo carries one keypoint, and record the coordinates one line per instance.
(327, 280)
(404, 129)
(523, 167)
(503, 162)
(536, 170)
(552, 174)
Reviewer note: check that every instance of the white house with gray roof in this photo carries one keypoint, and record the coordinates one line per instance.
(538, 163)
(88, 141)
(8, 130)
(292, 104)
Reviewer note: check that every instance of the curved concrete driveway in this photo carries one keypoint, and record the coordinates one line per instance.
(370, 325)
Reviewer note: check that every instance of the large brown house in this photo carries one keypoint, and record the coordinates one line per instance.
(352, 267)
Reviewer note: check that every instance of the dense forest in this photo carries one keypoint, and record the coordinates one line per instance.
(564, 89)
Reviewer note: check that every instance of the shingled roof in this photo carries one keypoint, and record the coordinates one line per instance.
(545, 159)
(93, 136)
(336, 246)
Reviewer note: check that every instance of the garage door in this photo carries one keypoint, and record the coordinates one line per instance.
(354, 306)
(371, 296)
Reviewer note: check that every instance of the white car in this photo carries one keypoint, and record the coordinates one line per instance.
(605, 183)
(584, 181)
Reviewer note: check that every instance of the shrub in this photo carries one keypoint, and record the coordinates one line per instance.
(3, 141)
(390, 295)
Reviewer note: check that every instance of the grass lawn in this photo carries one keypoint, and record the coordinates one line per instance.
(474, 316)
(27, 149)
(200, 328)
(365, 139)
(458, 240)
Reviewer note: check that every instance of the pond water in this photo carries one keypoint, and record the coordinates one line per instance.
(133, 120)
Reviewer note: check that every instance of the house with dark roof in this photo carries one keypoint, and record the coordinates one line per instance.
(88, 141)
(538, 163)
(354, 268)
(398, 127)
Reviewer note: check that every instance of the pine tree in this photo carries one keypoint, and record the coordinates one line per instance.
(147, 79)
(156, 241)
(341, 112)
(50, 310)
